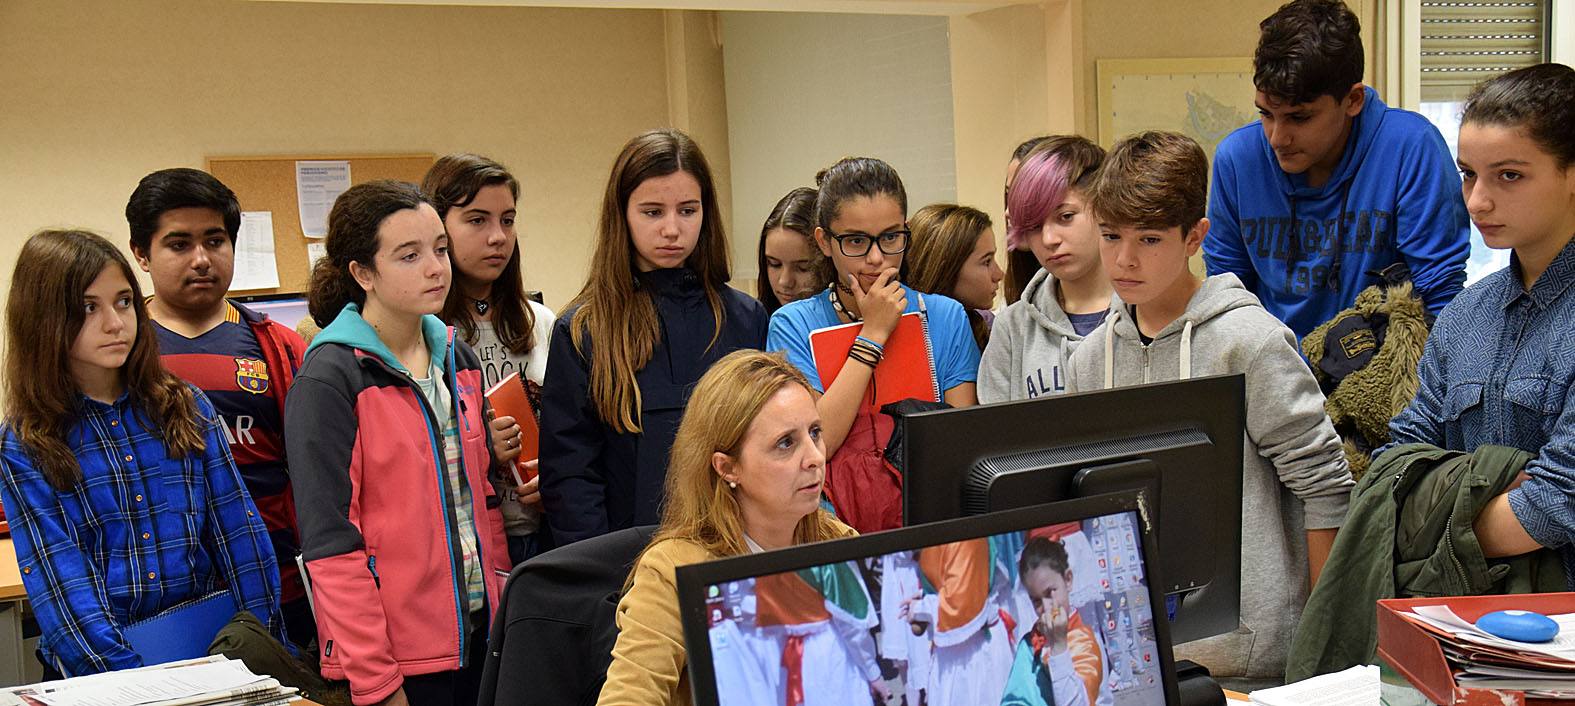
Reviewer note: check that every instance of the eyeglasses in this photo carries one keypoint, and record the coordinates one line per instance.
(891, 242)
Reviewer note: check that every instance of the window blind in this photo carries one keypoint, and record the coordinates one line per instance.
(1466, 42)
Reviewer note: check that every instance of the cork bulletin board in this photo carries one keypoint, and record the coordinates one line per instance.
(267, 183)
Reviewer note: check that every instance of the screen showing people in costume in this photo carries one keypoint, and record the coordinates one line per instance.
(1054, 616)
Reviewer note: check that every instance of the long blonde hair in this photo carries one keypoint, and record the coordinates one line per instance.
(700, 507)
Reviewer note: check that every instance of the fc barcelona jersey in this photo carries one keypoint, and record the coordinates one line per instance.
(227, 364)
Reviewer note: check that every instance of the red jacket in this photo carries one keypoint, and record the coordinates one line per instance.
(282, 351)
(377, 528)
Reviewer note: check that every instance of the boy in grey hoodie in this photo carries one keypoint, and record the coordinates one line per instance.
(1032, 339)
(1166, 325)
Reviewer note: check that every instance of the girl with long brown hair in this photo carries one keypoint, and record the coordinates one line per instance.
(655, 312)
(953, 253)
(476, 198)
(118, 482)
(747, 467)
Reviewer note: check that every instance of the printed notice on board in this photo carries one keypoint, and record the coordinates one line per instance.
(255, 265)
(314, 252)
(317, 184)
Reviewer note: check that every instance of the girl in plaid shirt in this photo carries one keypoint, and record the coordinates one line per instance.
(118, 482)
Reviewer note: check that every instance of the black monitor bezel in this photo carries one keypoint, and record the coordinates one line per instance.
(693, 579)
(942, 447)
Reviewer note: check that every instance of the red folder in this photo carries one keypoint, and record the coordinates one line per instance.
(1416, 654)
(906, 370)
(508, 400)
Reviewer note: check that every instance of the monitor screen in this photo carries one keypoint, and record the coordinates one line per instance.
(1052, 605)
(287, 309)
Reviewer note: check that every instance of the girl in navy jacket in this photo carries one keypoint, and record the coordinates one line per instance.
(654, 314)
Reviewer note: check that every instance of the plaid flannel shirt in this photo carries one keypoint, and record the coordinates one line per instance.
(140, 533)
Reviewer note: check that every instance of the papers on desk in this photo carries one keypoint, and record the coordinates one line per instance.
(1357, 686)
(209, 681)
(1484, 661)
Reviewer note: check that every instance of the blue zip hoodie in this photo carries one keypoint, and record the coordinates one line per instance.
(1307, 251)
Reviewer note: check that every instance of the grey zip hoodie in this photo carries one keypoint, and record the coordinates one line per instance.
(1029, 346)
(1294, 475)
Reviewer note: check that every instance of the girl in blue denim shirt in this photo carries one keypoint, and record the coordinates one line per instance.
(1500, 362)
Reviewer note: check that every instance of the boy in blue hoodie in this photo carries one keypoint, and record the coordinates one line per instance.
(1331, 186)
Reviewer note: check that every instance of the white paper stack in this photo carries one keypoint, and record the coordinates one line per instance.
(209, 681)
(1357, 686)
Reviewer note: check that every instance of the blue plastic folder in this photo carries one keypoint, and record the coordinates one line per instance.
(182, 631)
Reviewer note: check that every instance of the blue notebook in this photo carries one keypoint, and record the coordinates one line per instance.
(182, 631)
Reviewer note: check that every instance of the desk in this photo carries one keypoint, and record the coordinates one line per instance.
(1235, 696)
(10, 574)
(13, 655)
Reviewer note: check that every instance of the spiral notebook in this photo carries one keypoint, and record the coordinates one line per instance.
(906, 371)
(182, 631)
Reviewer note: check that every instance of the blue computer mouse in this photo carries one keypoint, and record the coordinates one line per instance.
(1519, 625)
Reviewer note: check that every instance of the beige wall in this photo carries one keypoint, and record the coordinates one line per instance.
(1165, 29)
(1000, 96)
(96, 93)
(804, 90)
(697, 104)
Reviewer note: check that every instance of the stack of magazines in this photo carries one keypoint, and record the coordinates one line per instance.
(206, 681)
(1484, 661)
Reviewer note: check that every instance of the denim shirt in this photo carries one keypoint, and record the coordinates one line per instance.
(1498, 370)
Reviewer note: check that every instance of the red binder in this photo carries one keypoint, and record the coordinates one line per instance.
(906, 370)
(508, 400)
(1415, 653)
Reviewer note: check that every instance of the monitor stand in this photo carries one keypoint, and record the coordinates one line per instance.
(1196, 687)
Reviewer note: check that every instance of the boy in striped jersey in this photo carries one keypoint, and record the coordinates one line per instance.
(184, 223)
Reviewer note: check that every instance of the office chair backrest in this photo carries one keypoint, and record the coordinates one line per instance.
(553, 636)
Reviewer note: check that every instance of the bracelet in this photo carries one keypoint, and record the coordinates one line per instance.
(863, 357)
(866, 352)
(876, 346)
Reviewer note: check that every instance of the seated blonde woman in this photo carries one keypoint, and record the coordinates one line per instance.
(745, 475)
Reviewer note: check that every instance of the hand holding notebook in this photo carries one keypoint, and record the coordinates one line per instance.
(906, 371)
(508, 399)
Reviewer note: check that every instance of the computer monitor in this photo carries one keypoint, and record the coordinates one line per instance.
(1180, 440)
(288, 308)
(975, 611)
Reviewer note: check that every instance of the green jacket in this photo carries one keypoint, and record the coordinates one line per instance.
(1409, 534)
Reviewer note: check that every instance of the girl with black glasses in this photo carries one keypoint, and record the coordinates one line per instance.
(861, 227)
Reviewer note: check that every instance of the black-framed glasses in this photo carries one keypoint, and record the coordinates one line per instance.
(891, 242)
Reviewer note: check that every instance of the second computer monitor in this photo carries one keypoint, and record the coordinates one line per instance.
(1182, 441)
